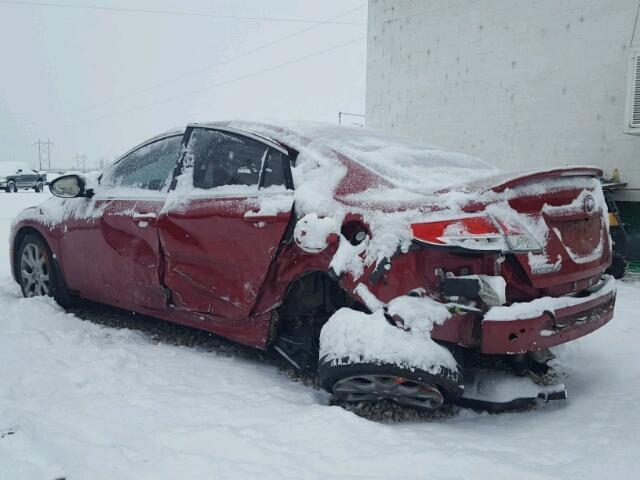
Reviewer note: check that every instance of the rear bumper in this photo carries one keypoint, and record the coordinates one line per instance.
(547, 322)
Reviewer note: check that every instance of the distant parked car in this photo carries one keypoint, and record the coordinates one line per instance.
(17, 175)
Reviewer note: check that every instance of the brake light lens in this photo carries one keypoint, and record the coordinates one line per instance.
(478, 232)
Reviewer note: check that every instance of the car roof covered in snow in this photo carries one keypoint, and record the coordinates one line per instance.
(401, 160)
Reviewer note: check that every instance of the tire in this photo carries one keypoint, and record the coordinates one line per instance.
(11, 186)
(419, 389)
(39, 186)
(618, 267)
(37, 271)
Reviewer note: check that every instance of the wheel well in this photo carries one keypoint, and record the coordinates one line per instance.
(309, 301)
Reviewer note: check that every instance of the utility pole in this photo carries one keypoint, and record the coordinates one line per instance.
(41, 150)
(48, 154)
(78, 158)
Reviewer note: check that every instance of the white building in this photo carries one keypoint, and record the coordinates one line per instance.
(522, 83)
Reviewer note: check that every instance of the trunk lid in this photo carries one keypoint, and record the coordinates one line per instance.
(565, 211)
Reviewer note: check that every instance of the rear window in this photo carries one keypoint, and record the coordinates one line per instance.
(407, 163)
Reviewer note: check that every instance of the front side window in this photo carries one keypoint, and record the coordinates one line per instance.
(148, 168)
(222, 158)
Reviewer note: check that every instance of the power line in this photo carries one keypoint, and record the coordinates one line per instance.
(169, 12)
(635, 24)
(213, 65)
(221, 84)
(118, 98)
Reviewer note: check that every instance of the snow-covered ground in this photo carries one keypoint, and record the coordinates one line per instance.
(89, 402)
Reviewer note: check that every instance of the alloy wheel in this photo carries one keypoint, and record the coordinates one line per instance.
(34, 271)
(375, 387)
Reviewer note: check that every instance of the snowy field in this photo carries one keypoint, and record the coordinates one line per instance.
(82, 401)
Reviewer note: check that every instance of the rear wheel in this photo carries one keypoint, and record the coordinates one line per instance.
(369, 382)
(38, 187)
(376, 387)
(618, 267)
(37, 272)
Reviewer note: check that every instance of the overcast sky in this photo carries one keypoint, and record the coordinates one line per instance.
(98, 82)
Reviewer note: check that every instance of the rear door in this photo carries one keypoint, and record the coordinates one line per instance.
(111, 252)
(222, 229)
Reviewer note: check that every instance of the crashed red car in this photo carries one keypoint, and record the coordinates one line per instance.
(398, 270)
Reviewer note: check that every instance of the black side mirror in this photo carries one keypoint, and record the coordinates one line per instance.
(70, 186)
(19, 171)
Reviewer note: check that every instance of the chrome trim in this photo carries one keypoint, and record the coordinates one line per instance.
(130, 197)
(257, 194)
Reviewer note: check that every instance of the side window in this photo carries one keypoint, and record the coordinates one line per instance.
(148, 168)
(274, 169)
(221, 158)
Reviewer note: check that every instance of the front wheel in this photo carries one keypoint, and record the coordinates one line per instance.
(37, 272)
(11, 187)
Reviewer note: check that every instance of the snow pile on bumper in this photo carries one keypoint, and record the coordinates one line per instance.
(539, 306)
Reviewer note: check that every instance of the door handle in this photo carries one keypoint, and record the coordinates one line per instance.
(139, 217)
(143, 219)
(255, 216)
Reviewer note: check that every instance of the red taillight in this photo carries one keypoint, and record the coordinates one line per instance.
(478, 232)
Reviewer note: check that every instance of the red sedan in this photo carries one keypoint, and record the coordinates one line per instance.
(394, 268)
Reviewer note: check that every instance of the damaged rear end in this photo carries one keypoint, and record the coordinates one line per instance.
(549, 240)
(521, 269)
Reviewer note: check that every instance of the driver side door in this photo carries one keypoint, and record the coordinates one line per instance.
(111, 252)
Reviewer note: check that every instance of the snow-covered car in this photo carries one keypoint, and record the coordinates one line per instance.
(17, 175)
(397, 270)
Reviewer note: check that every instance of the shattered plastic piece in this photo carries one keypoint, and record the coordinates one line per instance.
(495, 391)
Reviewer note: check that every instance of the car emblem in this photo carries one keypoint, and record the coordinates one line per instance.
(589, 204)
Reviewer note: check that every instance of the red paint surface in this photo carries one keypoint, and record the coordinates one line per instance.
(208, 266)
